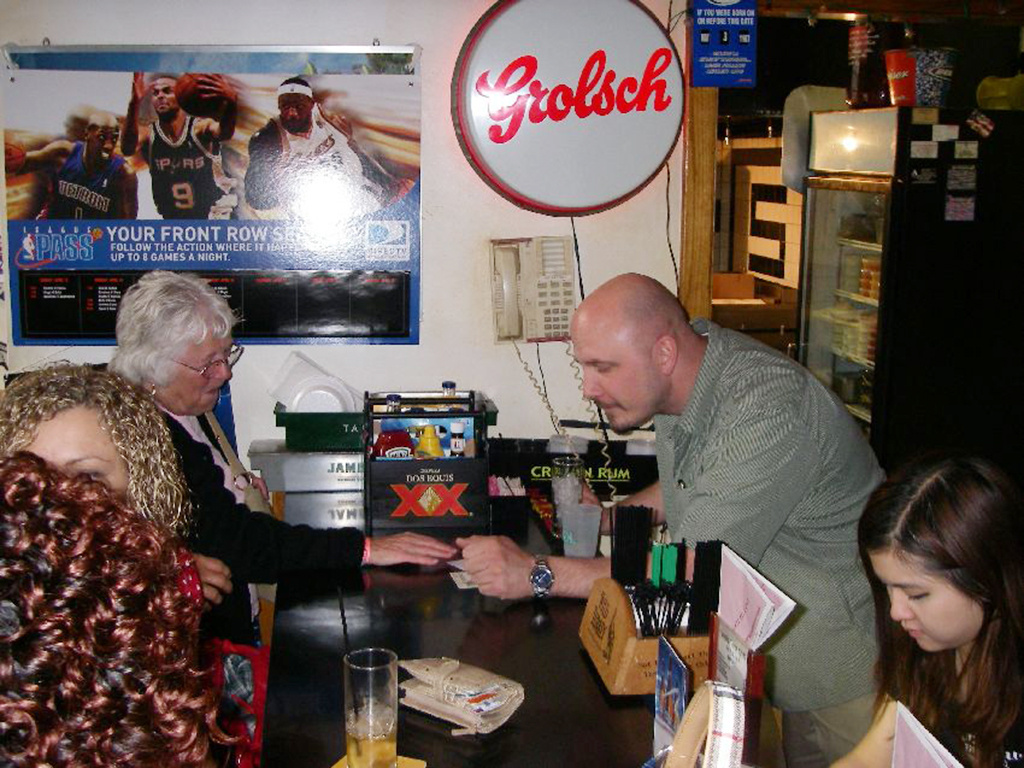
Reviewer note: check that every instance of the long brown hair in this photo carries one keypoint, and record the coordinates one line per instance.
(98, 645)
(962, 519)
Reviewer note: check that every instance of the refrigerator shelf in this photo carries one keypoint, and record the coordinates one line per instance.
(837, 315)
(860, 298)
(859, 412)
(862, 245)
(862, 361)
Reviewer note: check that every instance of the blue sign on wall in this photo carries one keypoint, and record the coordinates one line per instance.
(724, 43)
(309, 227)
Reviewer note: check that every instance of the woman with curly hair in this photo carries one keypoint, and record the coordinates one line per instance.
(84, 420)
(98, 644)
(943, 545)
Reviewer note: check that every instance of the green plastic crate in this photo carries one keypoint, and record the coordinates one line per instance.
(321, 431)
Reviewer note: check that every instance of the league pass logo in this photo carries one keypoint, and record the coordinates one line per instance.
(387, 240)
(71, 244)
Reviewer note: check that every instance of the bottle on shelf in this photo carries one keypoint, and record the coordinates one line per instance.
(457, 443)
(869, 84)
(428, 444)
(393, 444)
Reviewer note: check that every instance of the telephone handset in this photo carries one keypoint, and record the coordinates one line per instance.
(533, 289)
(505, 292)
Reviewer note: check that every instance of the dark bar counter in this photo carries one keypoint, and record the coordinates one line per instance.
(567, 718)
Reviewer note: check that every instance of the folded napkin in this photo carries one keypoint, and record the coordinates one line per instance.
(478, 700)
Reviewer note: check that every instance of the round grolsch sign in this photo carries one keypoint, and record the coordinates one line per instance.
(567, 107)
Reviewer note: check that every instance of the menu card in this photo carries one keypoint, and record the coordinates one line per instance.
(671, 693)
(751, 606)
(915, 747)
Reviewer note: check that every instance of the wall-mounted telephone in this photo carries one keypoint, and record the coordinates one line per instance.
(532, 288)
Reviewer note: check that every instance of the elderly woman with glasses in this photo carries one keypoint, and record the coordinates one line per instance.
(174, 338)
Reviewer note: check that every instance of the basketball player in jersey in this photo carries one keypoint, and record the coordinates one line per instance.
(90, 180)
(306, 155)
(183, 151)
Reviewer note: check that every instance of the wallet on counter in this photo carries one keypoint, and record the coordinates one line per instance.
(475, 699)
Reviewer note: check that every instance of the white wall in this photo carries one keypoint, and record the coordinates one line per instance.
(460, 214)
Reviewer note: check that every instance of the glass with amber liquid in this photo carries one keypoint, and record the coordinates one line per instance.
(371, 708)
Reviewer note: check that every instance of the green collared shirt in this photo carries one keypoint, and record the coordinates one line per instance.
(768, 460)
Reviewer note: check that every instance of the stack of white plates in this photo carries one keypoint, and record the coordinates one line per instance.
(302, 386)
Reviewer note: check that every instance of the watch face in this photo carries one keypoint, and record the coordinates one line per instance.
(541, 578)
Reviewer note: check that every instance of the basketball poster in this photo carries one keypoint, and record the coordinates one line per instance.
(288, 178)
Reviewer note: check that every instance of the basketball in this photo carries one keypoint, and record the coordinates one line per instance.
(191, 98)
(14, 158)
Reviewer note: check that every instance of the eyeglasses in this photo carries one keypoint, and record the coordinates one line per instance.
(228, 360)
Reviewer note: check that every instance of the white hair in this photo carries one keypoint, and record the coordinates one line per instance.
(162, 315)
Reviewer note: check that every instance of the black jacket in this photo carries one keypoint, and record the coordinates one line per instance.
(256, 547)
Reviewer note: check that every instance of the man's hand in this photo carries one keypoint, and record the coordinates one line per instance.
(589, 497)
(138, 87)
(215, 576)
(216, 86)
(498, 566)
(409, 548)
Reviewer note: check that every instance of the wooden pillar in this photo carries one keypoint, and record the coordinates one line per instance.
(698, 225)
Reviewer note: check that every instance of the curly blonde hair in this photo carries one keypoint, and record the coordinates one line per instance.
(156, 485)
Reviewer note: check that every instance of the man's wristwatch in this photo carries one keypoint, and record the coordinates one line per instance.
(542, 578)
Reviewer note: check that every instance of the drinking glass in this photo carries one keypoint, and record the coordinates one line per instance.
(566, 480)
(581, 529)
(371, 708)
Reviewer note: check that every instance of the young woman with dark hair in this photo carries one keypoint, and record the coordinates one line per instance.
(943, 545)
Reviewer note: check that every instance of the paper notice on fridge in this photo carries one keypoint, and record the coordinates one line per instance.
(915, 747)
(752, 606)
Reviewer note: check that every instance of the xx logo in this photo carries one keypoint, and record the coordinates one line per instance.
(430, 500)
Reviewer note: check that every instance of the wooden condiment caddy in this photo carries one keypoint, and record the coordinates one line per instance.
(627, 664)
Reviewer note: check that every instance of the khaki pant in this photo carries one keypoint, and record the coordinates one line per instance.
(819, 737)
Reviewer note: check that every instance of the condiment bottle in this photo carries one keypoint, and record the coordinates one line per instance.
(457, 446)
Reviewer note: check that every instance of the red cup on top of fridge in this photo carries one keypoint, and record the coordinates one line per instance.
(919, 77)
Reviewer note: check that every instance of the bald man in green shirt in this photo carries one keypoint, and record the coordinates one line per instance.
(754, 451)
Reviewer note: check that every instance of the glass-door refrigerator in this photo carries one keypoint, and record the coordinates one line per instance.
(912, 292)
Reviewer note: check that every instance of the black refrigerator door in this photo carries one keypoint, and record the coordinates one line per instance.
(951, 343)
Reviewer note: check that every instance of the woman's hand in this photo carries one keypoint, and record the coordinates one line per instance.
(215, 577)
(409, 548)
(260, 485)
